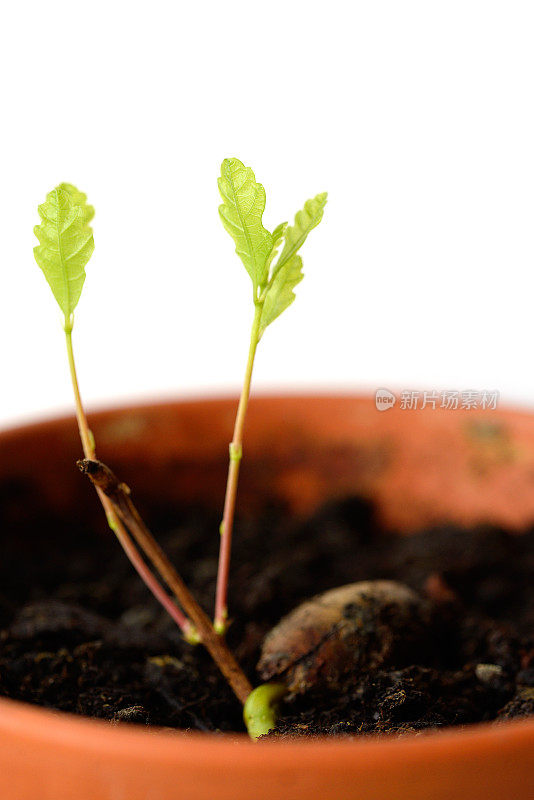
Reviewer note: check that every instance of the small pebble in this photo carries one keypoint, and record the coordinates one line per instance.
(488, 673)
(136, 714)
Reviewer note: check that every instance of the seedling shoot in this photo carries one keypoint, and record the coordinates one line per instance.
(274, 277)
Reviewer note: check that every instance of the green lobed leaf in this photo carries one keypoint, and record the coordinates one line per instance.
(287, 272)
(65, 244)
(241, 214)
(305, 221)
(280, 294)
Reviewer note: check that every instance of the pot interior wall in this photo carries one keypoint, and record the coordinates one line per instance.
(420, 467)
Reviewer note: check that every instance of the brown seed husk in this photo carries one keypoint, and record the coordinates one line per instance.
(361, 626)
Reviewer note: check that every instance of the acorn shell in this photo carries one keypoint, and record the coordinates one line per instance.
(355, 627)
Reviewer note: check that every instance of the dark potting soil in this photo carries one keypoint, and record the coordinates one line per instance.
(79, 632)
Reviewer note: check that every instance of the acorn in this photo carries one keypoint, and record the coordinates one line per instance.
(348, 630)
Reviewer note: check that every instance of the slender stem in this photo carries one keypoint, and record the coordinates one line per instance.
(114, 522)
(83, 426)
(143, 571)
(236, 452)
(119, 494)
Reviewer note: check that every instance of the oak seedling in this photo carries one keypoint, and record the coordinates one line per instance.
(274, 265)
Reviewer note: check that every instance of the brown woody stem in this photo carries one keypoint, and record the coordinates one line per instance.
(119, 495)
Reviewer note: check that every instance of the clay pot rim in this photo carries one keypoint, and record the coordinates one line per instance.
(103, 409)
(154, 745)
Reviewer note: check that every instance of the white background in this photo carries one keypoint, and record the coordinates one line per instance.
(418, 119)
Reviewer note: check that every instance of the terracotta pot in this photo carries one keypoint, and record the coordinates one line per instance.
(419, 466)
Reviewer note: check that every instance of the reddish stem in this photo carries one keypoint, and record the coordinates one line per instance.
(236, 452)
(143, 571)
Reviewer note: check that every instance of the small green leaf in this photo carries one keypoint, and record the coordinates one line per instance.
(278, 234)
(305, 221)
(65, 244)
(287, 272)
(278, 238)
(280, 294)
(241, 214)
